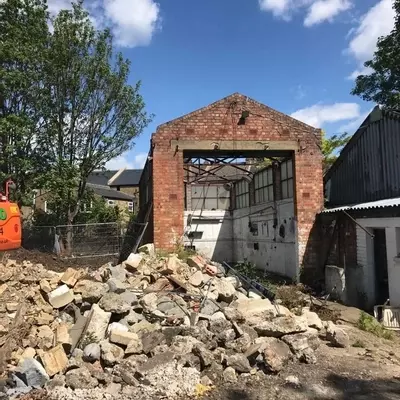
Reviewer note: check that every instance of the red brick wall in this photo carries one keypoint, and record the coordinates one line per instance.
(218, 121)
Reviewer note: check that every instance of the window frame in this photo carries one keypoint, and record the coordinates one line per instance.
(203, 200)
(242, 194)
(264, 186)
(287, 181)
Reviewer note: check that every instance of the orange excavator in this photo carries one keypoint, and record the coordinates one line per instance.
(10, 220)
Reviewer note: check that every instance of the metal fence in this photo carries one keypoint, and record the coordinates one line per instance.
(83, 240)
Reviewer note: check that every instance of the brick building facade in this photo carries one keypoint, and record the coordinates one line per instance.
(233, 125)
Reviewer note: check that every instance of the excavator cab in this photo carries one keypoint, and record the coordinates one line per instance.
(10, 220)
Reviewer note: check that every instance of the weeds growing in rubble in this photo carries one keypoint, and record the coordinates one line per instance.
(368, 323)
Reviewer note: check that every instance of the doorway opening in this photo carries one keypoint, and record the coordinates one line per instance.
(381, 268)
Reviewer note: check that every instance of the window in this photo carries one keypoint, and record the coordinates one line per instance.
(111, 203)
(130, 207)
(86, 207)
(242, 194)
(210, 197)
(264, 186)
(287, 179)
(45, 206)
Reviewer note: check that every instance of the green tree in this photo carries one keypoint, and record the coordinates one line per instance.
(331, 147)
(23, 50)
(92, 115)
(382, 85)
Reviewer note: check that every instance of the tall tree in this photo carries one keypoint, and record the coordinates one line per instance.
(382, 85)
(23, 49)
(331, 148)
(92, 114)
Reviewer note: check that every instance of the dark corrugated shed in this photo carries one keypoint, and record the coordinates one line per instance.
(368, 168)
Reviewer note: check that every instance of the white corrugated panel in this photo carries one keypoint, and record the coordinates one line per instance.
(363, 206)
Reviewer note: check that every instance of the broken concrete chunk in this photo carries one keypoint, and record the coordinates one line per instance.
(92, 352)
(276, 354)
(80, 378)
(114, 303)
(217, 315)
(280, 326)
(133, 262)
(122, 337)
(209, 307)
(91, 291)
(29, 352)
(62, 336)
(226, 291)
(45, 286)
(229, 375)
(299, 342)
(61, 296)
(44, 319)
(313, 321)
(97, 323)
(149, 301)
(118, 272)
(111, 353)
(147, 249)
(156, 362)
(33, 373)
(239, 363)
(12, 307)
(54, 360)
(337, 336)
(116, 286)
(151, 340)
(70, 277)
(129, 298)
(196, 279)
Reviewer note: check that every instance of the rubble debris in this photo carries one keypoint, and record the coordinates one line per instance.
(337, 336)
(152, 324)
(61, 296)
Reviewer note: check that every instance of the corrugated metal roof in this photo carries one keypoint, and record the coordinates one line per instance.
(364, 206)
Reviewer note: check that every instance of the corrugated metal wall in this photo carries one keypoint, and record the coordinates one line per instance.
(370, 168)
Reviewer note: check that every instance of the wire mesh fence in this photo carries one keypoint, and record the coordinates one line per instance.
(85, 240)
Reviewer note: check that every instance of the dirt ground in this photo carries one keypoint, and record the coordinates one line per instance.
(372, 372)
(54, 263)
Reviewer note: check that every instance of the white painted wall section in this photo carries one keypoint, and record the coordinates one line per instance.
(265, 235)
(212, 233)
(365, 256)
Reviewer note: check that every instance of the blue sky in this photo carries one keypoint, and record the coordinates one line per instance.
(297, 56)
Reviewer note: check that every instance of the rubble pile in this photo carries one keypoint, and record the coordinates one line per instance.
(150, 326)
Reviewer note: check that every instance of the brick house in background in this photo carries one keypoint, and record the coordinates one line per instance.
(124, 194)
(270, 218)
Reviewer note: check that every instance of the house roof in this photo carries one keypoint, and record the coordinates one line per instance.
(126, 177)
(105, 191)
(375, 115)
(101, 177)
(364, 206)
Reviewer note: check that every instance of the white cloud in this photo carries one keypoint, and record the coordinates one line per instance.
(317, 10)
(378, 21)
(352, 126)
(325, 10)
(127, 161)
(133, 22)
(319, 114)
(361, 71)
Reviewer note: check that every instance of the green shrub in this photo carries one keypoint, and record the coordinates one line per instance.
(368, 323)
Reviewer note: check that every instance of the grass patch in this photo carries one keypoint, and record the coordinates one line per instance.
(368, 323)
(359, 343)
